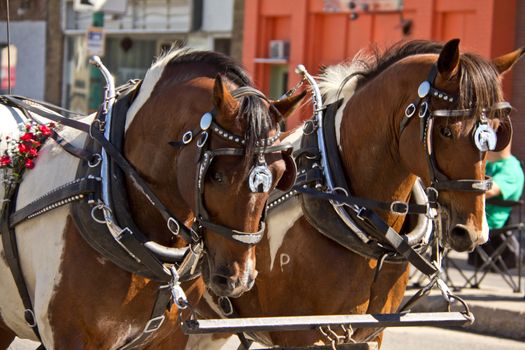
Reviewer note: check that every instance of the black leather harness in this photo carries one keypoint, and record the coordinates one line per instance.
(84, 194)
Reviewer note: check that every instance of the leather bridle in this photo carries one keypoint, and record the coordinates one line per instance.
(485, 135)
(206, 156)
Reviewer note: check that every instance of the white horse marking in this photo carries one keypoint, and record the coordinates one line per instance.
(284, 260)
(485, 226)
(40, 250)
(150, 80)
(279, 222)
(330, 84)
(206, 342)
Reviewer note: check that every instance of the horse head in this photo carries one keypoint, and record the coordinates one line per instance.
(462, 115)
(210, 147)
(235, 190)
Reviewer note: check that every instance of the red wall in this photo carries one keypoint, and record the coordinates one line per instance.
(487, 27)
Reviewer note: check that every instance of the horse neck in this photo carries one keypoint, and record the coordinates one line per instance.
(369, 146)
(154, 158)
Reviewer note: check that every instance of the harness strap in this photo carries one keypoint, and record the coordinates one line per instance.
(70, 148)
(137, 180)
(162, 303)
(480, 186)
(72, 123)
(13, 260)
(58, 197)
(398, 242)
(248, 238)
(397, 207)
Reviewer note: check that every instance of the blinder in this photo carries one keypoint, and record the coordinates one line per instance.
(504, 133)
(290, 174)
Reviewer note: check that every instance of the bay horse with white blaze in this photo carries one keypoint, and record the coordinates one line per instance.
(192, 159)
(421, 109)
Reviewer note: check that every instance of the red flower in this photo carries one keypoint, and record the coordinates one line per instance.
(51, 125)
(33, 152)
(28, 127)
(29, 164)
(35, 143)
(45, 130)
(5, 161)
(23, 148)
(27, 136)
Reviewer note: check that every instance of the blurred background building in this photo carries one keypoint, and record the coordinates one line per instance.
(54, 38)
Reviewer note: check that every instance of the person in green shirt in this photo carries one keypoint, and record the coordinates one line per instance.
(507, 184)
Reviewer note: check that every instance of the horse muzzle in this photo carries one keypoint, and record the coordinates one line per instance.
(463, 238)
(231, 286)
(226, 283)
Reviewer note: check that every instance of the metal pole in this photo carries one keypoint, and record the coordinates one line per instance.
(8, 49)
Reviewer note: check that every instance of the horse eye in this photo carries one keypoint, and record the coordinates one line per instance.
(446, 132)
(218, 177)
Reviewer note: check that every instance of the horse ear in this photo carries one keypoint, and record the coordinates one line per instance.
(287, 105)
(505, 62)
(223, 100)
(448, 61)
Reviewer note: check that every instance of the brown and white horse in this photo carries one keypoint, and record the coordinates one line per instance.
(82, 300)
(302, 272)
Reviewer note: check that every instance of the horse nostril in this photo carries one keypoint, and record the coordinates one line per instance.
(460, 232)
(223, 282)
(463, 238)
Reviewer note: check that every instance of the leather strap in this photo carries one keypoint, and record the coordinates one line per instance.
(397, 207)
(156, 319)
(75, 124)
(13, 260)
(60, 196)
(397, 242)
(122, 162)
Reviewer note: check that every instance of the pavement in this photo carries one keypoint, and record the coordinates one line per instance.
(498, 310)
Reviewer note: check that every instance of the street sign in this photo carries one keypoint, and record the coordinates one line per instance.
(95, 38)
(356, 6)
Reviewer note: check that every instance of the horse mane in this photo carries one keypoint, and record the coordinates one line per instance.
(478, 78)
(222, 64)
(253, 113)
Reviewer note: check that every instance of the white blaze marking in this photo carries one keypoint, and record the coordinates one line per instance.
(484, 226)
